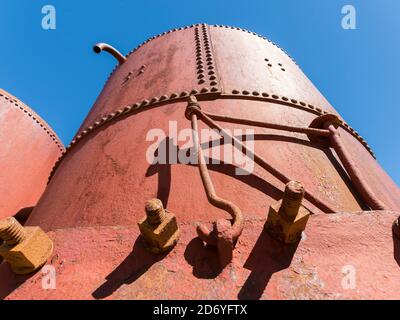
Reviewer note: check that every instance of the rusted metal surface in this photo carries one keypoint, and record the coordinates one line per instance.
(98, 188)
(29, 149)
(262, 268)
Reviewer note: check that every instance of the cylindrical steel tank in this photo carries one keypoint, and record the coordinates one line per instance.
(29, 149)
(97, 190)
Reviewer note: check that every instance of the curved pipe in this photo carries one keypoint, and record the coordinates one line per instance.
(99, 47)
(353, 171)
(203, 232)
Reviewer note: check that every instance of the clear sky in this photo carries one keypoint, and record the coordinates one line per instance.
(57, 74)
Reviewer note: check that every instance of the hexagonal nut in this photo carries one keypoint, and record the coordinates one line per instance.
(283, 227)
(160, 238)
(30, 254)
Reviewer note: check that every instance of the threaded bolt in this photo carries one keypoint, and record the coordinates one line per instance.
(155, 211)
(291, 202)
(11, 231)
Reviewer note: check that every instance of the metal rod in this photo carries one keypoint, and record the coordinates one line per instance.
(310, 131)
(260, 161)
(203, 232)
(354, 172)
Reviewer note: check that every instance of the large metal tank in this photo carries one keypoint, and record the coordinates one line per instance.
(98, 188)
(29, 149)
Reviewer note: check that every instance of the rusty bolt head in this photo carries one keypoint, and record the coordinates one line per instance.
(25, 249)
(288, 218)
(159, 228)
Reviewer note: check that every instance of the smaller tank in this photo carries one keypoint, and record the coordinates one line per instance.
(29, 149)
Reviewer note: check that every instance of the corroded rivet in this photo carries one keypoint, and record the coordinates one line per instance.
(184, 94)
(201, 81)
(194, 91)
(275, 96)
(235, 91)
(163, 97)
(204, 90)
(213, 83)
(173, 95)
(256, 93)
(293, 101)
(264, 94)
(153, 100)
(303, 103)
(214, 89)
(285, 99)
(144, 103)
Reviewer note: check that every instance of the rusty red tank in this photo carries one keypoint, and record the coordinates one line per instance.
(225, 78)
(29, 149)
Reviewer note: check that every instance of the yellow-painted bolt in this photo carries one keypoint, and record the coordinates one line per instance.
(26, 249)
(288, 218)
(159, 227)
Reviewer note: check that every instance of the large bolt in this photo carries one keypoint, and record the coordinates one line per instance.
(155, 211)
(288, 218)
(159, 227)
(292, 198)
(11, 232)
(26, 249)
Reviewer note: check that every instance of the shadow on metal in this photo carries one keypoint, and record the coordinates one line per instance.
(267, 257)
(204, 259)
(131, 269)
(11, 281)
(23, 214)
(396, 249)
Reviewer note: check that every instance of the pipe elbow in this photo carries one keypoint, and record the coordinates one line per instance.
(99, 47)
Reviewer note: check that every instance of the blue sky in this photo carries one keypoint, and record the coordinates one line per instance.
(56, 73)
